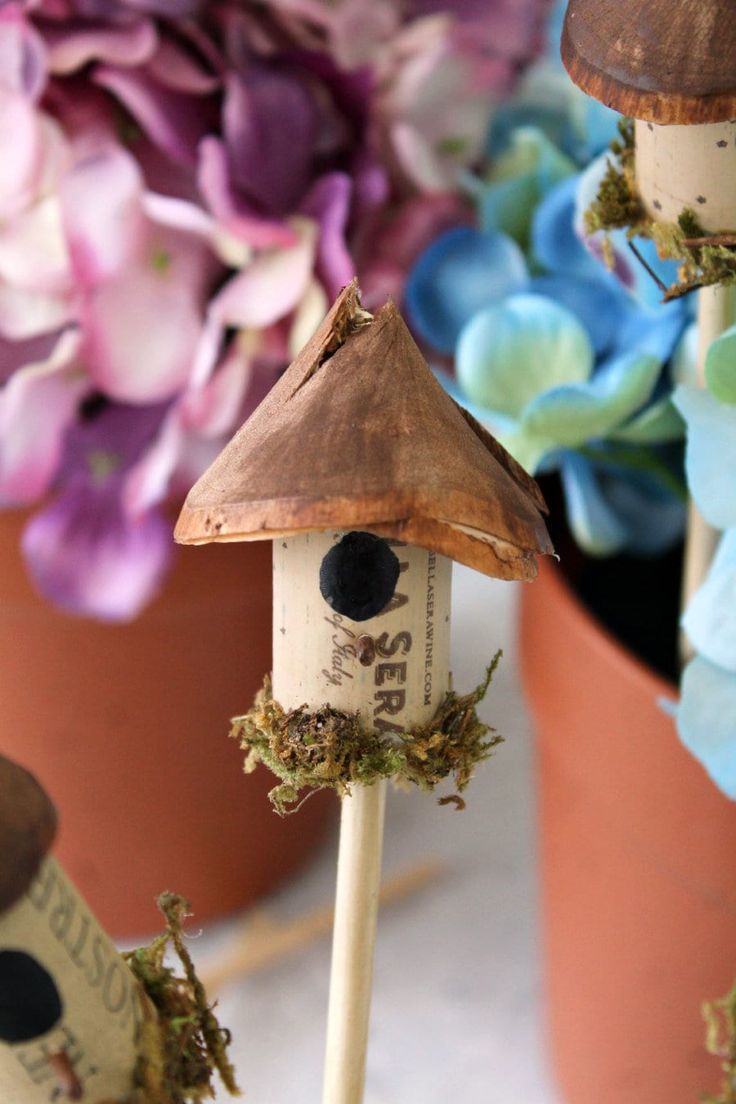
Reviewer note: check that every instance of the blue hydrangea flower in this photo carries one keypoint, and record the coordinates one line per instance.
(461, 271)
(565, 365)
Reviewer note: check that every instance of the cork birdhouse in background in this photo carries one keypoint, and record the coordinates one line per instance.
(669, 65)
(70, 1008)
(369, 480)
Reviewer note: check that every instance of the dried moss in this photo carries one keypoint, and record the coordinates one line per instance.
(330, 749)
(618, 206)
(183, 1045)
(720, 1018)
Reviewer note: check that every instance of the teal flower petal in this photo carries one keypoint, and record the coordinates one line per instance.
(709, 618)
(706, 720)
(655, 425)
(493, 420)
(460, 272)
(710, 455)
(524, 448)
(720, 366)
(576, 412)
(595, 526)
(525, 172)
(510, 353)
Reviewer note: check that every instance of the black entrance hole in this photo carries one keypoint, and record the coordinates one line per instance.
(30, 1004)
(358, 576)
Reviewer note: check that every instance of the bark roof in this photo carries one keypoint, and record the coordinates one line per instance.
(358, 434)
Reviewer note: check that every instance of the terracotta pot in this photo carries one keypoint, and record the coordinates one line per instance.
(638, 861)
(126, 726)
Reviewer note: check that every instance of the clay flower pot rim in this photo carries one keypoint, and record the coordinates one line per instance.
(602, 641)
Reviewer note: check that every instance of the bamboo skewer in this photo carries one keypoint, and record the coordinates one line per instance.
(356, 911)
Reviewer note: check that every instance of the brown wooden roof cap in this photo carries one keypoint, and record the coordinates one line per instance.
(358, 433)
(27, 830)
(665, 61)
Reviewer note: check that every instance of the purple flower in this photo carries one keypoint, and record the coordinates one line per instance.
(189, 187)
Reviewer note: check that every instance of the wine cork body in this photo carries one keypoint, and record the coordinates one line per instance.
(392, 668)
(688, 166)
(65, 991)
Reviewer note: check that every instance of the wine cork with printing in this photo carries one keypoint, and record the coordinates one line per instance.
(69, 1005)
(392, 666)
(688, 166)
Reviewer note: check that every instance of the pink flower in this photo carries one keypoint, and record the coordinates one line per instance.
(436, 104)
(143, 285)
(189, 187)
(37, 406)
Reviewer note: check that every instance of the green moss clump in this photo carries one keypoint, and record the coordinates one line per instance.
(330, 749)
(720, 1018)
(453, 743)
(182, 1045)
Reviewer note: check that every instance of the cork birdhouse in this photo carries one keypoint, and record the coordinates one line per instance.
(668, 64)
(369, 480)
(69, 1006)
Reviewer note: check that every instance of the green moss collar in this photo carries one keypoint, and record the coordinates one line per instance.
(330, 749)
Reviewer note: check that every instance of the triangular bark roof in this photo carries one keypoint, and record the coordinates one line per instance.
(358, 434)
(665, 61)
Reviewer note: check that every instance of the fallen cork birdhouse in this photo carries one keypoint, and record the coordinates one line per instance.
(69, 1005)
(79, 1021)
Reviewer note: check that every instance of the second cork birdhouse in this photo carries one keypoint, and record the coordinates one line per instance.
(360, 469)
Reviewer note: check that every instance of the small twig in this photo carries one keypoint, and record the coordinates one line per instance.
(645, 265)
(728, 240)
(264, 941)
(677, 291)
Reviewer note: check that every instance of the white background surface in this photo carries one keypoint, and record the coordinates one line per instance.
(457, 994)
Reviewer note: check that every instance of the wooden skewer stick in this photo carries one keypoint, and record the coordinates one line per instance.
(265, 941)
(727, 240)
(356, 910)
